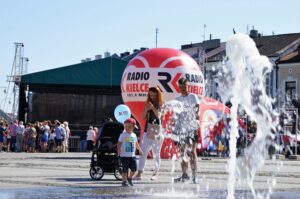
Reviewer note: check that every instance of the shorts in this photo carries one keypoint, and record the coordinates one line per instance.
(31, 142)
(1, 138)
(189, 139)
(128, 163)
(44, 138)
(58, 142)
(195, 138)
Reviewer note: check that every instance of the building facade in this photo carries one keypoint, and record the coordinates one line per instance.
(282, 50)
(289, 76)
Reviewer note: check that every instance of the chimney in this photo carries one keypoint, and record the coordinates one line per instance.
(98, 57)
(106, 54)
(253, 33)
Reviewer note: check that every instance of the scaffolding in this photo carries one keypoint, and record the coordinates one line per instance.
(17, 71)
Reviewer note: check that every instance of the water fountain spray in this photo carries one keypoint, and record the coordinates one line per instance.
(242, 83)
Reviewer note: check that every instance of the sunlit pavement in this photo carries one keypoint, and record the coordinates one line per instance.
(45, 175)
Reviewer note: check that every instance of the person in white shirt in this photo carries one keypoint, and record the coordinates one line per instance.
(186, 129)
(66, 140)
(127, 145)
(90, 137)
(20, 136)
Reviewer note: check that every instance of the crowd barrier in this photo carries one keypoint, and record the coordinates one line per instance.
(74, 143)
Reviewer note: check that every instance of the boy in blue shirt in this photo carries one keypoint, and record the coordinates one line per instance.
(127, 145)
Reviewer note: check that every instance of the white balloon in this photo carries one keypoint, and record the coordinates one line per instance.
(122, 112)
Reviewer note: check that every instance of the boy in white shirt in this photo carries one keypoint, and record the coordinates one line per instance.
(127, 145)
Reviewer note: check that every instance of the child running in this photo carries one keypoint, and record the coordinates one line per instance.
(127, 145)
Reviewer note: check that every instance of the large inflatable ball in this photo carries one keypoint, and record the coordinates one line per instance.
(160, 67)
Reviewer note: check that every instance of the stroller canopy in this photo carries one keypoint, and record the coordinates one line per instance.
(111, 130)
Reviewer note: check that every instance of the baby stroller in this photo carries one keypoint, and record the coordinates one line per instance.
(104, 156)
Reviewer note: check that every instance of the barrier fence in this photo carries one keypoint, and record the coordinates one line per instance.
(74, 143)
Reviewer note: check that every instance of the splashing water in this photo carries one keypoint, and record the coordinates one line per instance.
(242, 83)
(182, 123)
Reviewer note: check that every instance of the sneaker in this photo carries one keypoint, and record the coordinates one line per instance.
(130, 181)
(124, 184)
(178, 179)
(185, 177)
(154, 177)
(194, 179)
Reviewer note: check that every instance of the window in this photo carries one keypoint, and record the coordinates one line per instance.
(290, 89)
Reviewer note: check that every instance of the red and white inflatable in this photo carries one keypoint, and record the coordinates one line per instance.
(160, 67)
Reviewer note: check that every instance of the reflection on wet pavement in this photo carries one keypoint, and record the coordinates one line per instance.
(131, 192)
(55, 176)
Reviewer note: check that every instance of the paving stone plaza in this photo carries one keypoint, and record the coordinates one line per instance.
(46, 175)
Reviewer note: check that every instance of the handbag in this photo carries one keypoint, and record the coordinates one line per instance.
(153, 130)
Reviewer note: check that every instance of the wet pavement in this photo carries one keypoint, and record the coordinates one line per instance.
(136, 192)
(44, 175)
(111, 193)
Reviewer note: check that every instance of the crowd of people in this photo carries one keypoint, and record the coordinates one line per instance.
(43, 136)
(34, 137)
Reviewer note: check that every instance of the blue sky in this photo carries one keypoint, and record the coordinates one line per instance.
(62, 32)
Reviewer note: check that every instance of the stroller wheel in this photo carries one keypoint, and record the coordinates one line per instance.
(118, 173)
(96, 173)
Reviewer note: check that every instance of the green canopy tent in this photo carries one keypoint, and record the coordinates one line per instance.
(84, 92)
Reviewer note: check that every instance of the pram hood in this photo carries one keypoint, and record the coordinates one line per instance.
(108, 137)
(111, 130)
